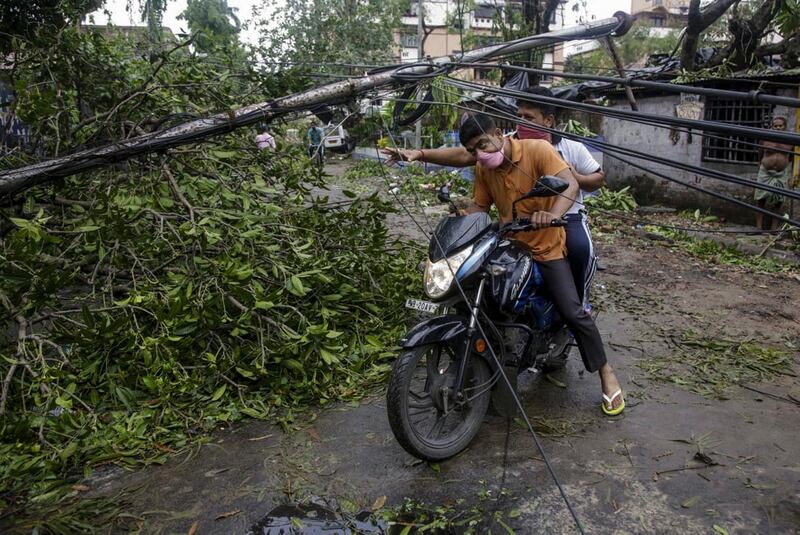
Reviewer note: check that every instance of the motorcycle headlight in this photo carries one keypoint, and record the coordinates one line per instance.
(439, 275)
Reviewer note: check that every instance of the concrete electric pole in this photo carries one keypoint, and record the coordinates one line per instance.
(420, 57)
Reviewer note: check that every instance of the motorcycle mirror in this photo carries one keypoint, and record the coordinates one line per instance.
(444, 194)
(546, 186)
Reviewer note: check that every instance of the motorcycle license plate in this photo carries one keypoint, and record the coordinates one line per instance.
(424, 306)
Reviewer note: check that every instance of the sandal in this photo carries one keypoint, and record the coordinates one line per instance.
(610, 401)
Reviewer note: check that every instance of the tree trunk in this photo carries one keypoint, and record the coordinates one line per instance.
(537, 14)
(746, 35)
(699, 20)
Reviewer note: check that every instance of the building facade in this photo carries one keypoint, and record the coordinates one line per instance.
(726, 152)
(447, 32)
(661, 15)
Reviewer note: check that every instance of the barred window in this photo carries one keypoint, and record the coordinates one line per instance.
(729, 148)
(408, 40)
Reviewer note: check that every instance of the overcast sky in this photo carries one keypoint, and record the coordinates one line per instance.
(120, 16)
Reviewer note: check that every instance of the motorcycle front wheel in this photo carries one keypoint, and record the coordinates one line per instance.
(424, 414)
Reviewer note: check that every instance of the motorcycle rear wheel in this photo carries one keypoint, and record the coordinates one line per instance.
(425, 419)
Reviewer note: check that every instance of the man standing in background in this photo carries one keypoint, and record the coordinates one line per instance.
(775, 170)
(314, 136)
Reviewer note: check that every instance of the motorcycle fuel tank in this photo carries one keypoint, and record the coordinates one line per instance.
(513, 275)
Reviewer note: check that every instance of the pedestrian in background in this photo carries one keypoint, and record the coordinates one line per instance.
(264, 140)
(775, 169)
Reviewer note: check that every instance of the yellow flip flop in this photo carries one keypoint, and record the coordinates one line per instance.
(610, 402)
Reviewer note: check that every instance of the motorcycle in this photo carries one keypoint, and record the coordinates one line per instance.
(489, 306)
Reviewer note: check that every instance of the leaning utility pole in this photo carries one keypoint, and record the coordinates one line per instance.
(16, 180)
(420, 57)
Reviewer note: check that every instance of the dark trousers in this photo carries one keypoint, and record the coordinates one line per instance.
(558, 278)
(580, 254)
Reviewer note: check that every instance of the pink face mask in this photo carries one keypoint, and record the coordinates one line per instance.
(527, 132)
(492, 160)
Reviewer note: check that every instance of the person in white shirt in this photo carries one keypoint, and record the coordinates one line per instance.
(588, 173)
(264, 140)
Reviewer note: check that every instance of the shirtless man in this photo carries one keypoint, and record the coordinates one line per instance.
(775, 171)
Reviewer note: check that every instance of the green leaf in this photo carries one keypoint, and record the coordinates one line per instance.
(296, 286)
(292, 364)
(374, 341)
(719, 529)
(223, 154)
(245, 373)
(219, 392)
(691, 502)
(328, 357)
(350, 194)
(68, 451)
(555, 381)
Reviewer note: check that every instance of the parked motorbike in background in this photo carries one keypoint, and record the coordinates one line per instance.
(493, 298)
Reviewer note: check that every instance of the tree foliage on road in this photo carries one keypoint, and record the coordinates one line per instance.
(155, 300)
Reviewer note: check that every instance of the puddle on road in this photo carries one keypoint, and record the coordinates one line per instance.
(316, 519)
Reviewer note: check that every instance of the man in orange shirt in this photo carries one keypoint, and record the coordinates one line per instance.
(507, 169)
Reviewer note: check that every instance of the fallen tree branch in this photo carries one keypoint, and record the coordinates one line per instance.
(235, 302)
(23, 178)
(177, 191)
(22, 332)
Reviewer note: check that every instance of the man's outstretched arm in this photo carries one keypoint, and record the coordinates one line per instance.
(450, 156)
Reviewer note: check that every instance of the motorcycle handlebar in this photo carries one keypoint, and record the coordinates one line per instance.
(520, 225)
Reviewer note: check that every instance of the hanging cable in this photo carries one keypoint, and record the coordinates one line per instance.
(606, 148)
(711, 173)
(759, 133)
(501, 114)
(756, 96)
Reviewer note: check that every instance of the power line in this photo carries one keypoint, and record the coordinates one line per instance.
(740, 130)
(610, 149)
(755, 96)
(711, 173)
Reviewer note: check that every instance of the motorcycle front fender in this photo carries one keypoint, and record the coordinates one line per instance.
(437, 329)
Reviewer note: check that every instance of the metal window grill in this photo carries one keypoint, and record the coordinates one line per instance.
(408, 40)
(729, 148)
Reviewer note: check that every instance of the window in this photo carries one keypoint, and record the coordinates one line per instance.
(408, 40)
(657, 22)
(729, 148)
(658, 2)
